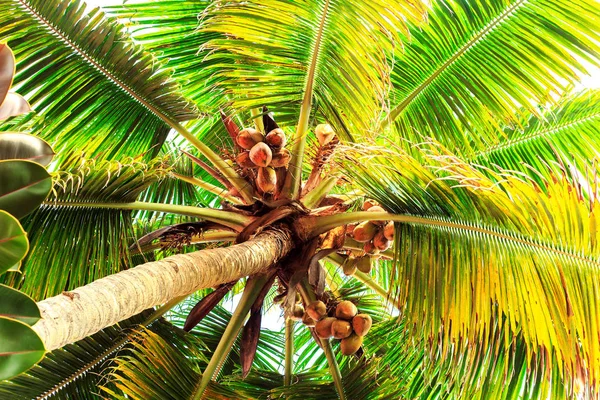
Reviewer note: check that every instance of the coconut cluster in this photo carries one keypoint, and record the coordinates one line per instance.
(376, 235)
(344, 323)
(265, 153)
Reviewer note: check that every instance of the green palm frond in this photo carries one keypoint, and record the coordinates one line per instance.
(76, 370)
(93, 87)
(169, 30)
(265, 50)
(498, 367)
(160, 369)
(98, 239)
(365, 378)
(477, 64)
(210, 330)
(492, 248)
(171, 190)
(568, 134)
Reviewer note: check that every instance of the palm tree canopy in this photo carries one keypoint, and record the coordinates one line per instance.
(464, 120)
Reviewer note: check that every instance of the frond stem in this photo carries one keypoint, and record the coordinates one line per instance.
(254, 286)
(315, 196)
(226, 218)
(396, 111)
(542, 133)
(289, 352)
(312, 226)
(205, 237)
(291, 187)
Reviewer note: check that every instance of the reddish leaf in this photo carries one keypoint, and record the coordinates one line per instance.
(206, 305)
(208, 169)
(251, 331)
(250, 336)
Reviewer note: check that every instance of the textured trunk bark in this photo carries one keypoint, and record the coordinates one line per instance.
(84, 311)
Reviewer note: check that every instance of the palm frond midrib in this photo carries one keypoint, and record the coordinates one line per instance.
(147, 103)
(538, 134)
(506, 14)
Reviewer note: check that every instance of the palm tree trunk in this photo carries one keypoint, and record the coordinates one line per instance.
(84, 311)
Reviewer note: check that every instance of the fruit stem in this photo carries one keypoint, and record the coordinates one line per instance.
(315, 196)
(289, 352)
(291, 188)
(209, 187)
(254, 286)
(334, 368)
(226, 218)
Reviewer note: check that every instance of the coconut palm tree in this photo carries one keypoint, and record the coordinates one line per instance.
(430, 167)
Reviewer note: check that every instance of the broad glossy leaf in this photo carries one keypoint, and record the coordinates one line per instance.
(7, 69)
(20, 348)
(13, 242)
(14, 145)
(23, 186)
(19, 306)
(14, 104)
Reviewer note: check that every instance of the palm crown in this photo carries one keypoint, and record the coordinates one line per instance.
(460, 119)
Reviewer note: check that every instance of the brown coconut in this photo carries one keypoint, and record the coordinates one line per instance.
(388, 231)
(276, 138)
(370, 248)
(345, 310)
(341, 329)
(361, 323)
(368, 204)
(261, 154)
(266, 179)
(324, 134)
(377, 209)
(380, 241)
(350, 230)
(243, 160)
(248, 138)
(323, 327)
(364, 232)
(351, 344)
(281, 158)
(317, 310)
